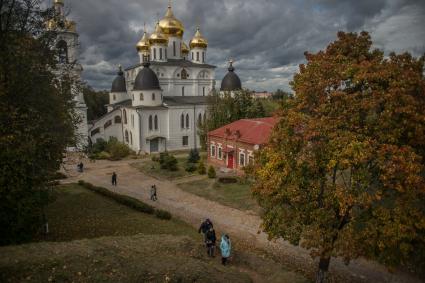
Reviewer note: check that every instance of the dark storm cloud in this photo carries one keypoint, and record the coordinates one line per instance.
(266, 38)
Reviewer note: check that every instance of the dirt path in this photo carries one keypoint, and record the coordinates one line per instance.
(194, 209)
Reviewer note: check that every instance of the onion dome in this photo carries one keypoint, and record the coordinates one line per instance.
(146, 79)
(143, 44)
(58, 2)
(118, 85)
(158, 37)
(170, 25)
(185, 48)
(231, 81)
(198, 40)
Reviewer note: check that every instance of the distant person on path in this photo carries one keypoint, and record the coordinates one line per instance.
(210, 241)
(153, 193)
(205, 226)
(80, 167)
(114, 179)
(225, 247)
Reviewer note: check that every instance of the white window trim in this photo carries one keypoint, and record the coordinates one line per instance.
(218, 155)
(215, 150)
(244, 158)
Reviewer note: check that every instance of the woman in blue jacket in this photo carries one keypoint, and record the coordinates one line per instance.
(225, 247)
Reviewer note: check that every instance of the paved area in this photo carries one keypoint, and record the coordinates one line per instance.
(193, 209)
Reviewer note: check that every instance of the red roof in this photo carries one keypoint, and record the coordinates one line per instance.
(251, 131)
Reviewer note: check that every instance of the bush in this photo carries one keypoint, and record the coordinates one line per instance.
(99, 146)
(162, 157)
(171, 163)
(211, 172)
(201, 168)
(190, 167)
(193, 156)
(162, 214)
(155, 158)
(117, 149)
(125, 200)
(102, 155)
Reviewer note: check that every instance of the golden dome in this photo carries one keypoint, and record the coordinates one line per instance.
(143, 44)
(198, 40)
(170, 25)
(158, 37)
(185, 48)
(58, 2)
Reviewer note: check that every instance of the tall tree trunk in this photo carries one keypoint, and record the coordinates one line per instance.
(323, 269)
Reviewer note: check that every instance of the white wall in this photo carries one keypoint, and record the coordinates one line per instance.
(114, 130)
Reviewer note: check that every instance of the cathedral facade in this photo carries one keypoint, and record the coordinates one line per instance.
(158, 104)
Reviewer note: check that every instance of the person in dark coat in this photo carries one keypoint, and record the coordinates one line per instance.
(153, 193)
(205, 226)
(210, 241)
(114, 179)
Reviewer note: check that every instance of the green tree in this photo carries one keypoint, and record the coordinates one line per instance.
(37, 121)
(343, 174)
(211, 172)
(96, 101)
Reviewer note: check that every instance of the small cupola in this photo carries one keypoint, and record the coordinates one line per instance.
(147, 90)
(231, 81)
(119, 88)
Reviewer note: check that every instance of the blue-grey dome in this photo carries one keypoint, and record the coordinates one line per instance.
(118, 85)
(146, 79)
(231, 81)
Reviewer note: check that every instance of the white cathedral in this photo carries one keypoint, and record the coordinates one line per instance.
(157, 104)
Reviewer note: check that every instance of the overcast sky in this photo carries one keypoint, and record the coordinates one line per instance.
(266, 38)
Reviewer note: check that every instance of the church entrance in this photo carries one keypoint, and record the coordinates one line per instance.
(154, 144)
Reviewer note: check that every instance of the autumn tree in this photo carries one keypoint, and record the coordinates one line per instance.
(37, 121)
(343, 174)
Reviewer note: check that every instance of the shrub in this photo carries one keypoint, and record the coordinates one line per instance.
(201, 168)
(117, 149)
(190, 167)
(211, 172)
(102, 155)
(171, 163)
(162, 157)
(99, 146)
(155, 158)
(125, 200)
(162, 214)
(193, 156)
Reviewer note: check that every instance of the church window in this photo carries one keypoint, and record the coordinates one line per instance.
(153, 96)
(62, 48)
(95, 131)
(150, 123)
(182, 121)
(205, 117)
(125, 116)
(174, 48)
(203, 57)
(203, 91)
(197, 55)
(107, 124)
(141, 96)
(131, 138)
(184, 74)
(165, 53)
(199, 119)
(117, 120)
(160, 53)
(182, 90)
(133, 97)
(154, 53)
(113, 97)
(187, 121)
(191, 54)
(156, 122)
(132, 120)
(126, 136)
(185, 141)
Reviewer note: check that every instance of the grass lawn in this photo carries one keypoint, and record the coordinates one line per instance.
(78, 213)
(233, 195)
(153, 168)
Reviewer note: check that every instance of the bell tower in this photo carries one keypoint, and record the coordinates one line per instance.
(66, 44)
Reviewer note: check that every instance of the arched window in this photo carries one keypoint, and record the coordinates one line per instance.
(183, 74)
(205, 117)
(131, 138)
(154, 53)
(141, 96)
(182, 90)
(199, 119)
(203, 57)
(62, 47)
(174, 48)
(187, 121)
(160, 53)
(153, 96)
(126, 136)
(114, 97)
(203, 91)
(197, 55)
(182, 121)
(125, 116)
(150, 123)
(156, 122)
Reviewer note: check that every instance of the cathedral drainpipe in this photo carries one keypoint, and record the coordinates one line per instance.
(194, 124)
(140, 131)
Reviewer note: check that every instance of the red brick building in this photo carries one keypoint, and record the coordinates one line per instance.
(232, 146)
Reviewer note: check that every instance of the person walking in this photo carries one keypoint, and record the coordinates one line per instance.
(114, 179)
(205, 226)
(210, 241)
(153, 193)
(225, 247)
